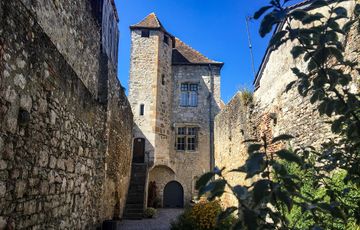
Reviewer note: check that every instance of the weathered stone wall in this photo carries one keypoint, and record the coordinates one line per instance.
(69, 24)
(151, 59)
(65, 157)
(274, 112)
(143, 85)
(232, 127)
(163, 101)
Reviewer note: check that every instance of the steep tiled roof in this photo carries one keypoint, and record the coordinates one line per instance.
(183, 54)
(151, 21)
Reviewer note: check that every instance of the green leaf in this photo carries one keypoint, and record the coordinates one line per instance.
(241, 192)
(289, 156)
(336, 53)
(254, 147)
(285, 197)
(310, 18)
(225, 214)
(267, 24)
(261, 11)
(278, 39)
(298, 14)
(296, 51)
(289, 86)
(250, 219)
(329, 108)
(203, 180)
(218, 188)
(341, 12)
(261, 190)
(319, 3)
(255, 164)
(283, 137)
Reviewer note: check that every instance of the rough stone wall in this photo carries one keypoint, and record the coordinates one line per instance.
(65, 157)
(143, 81)
(189, 165)
(164, 103)
(232, 126)
(274, 112)
(69, 24)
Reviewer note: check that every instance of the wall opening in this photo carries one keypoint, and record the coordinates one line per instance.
(145, 33)
(173, 195)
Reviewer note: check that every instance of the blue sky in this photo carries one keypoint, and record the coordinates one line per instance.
(216, 28)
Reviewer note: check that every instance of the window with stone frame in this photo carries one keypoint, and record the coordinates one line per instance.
(186, 138)
(189, 94)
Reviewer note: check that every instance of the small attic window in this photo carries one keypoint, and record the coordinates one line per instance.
(166, 39)
(145, 33)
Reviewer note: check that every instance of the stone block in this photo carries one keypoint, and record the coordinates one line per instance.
(20, 188)
(43, 159)
(26, 103)
(2, 189)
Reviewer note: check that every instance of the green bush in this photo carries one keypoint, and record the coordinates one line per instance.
(150, 212)
(203, 216)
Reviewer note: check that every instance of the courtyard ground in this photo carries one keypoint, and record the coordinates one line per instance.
(160, 222)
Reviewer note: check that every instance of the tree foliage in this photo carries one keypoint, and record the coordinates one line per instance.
(314, 194)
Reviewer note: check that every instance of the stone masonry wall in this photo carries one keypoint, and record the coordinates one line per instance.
(65, 158)
(69, 24)
(274, 112)
(142, 86)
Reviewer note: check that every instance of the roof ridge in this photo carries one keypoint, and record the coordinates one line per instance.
(196, 51)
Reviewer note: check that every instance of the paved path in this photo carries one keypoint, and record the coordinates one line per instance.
(161, 222)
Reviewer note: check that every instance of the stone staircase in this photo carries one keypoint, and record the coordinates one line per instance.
(135, 202)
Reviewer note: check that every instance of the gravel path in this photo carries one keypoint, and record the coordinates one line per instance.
(160, 222)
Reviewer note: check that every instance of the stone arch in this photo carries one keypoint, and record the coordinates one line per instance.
(173, 195)
(161, 175)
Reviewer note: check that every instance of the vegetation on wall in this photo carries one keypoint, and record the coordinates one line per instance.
(305, 188)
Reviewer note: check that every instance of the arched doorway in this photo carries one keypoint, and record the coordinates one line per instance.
(173, 195)
(139, 150)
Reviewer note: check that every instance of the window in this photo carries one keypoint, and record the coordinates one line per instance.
(186, 138)
(189, 95)
(166, 39)
(163, 79)
(142, 109)
(145, 33)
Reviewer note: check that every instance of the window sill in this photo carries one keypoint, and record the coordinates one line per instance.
(187, 151)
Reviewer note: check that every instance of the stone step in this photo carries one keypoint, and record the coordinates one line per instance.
(134, 206)
(133, 216)
(132, 211)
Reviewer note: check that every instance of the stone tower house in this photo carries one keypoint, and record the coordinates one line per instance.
(175, 95)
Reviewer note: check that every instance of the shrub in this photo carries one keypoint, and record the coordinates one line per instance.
(150, 212)
(203, 216)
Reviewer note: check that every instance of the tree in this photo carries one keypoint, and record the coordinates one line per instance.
(279, 192)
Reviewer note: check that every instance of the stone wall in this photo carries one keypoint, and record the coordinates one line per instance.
(68, 25)
(232, 127)
(143, 85)
(65, 157)
(275, 111)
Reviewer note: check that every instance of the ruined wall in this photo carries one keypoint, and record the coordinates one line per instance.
(64, 159)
